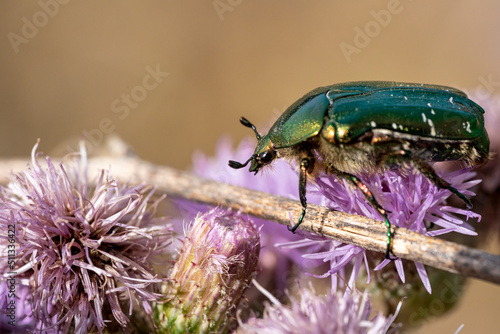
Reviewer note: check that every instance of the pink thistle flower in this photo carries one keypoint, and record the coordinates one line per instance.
(331, 313)
(411, 200)
(84, 247)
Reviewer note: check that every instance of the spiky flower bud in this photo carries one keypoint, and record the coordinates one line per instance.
(217, 261)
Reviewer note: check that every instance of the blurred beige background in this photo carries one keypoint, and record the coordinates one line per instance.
(171, 77)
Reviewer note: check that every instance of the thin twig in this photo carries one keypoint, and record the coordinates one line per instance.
(352, 229)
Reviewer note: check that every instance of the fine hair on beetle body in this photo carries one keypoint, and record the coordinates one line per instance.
(323, 154)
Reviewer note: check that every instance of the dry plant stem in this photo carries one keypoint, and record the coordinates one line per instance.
(353, 229)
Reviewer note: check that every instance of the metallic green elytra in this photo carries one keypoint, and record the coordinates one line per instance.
(369, 126)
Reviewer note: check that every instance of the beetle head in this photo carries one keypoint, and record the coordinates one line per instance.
(264, 152)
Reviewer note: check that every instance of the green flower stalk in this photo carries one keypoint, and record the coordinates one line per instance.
(217, 261)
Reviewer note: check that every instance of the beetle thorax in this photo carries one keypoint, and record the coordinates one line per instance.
(352, 159)
(349, 159)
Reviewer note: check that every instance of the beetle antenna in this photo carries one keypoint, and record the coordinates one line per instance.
(238, 165)
(247, 123)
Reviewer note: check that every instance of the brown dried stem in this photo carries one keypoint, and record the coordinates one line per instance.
(353, 229)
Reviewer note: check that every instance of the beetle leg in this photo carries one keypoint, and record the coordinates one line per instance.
(306, 165)
(429, 173)
(355, 181)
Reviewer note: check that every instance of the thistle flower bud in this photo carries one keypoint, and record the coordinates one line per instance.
(218, 259)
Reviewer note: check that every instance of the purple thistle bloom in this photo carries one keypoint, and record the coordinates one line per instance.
(218, 259)
(331, 313)
(409, 196)
(84, 247)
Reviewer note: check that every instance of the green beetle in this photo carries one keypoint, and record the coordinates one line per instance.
(369, 126)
